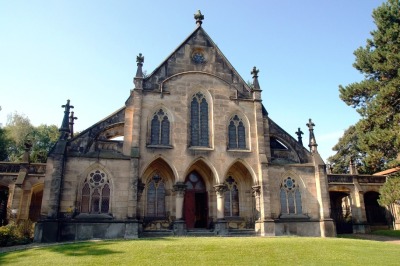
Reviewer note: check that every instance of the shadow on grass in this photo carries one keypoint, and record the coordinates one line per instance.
(96, 248)
(83, 249)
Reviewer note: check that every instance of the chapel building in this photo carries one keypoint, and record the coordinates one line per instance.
(192, 149)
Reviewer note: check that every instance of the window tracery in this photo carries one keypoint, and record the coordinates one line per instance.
(236, 133)
(160, 128)
(199, 124)
(231, 204)
(156, 197)
(96, 193)
(290, 197)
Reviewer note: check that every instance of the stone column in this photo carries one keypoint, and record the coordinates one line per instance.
(179, 189)
(220, 225)
(256, 192)
(179, 223)
(220, 190)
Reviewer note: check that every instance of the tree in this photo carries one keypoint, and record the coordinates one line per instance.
(43, 139)
(347, 150)
(375, 141)
(20, 131)
(3, 145)
(390, 193)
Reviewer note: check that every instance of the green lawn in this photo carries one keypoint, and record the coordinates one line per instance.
(211, 251)
(392, 233)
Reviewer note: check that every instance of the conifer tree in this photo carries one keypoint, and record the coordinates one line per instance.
(375, 138)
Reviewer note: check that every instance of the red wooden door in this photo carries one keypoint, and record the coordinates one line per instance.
(190, 209)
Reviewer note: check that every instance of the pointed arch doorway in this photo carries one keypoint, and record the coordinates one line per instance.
(196, 202)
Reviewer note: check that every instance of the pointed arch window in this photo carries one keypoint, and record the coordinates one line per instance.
(231, 204)
(199, 121)
(156, 197)
(290, 197)
(160, 128)
(236, 133)
(96, 192)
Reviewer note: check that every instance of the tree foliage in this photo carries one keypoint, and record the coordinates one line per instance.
(19, 131)
(374, 140)
(3, 145)
(390, 191)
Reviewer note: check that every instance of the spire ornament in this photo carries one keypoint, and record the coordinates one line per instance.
(64, 130)
(299, 138)
(312, 143)
(138, 79)
(71, 123)
(199, 18)
(254, 72)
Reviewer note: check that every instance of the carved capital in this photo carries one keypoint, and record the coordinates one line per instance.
(140, 188)
(256, 190)
(180, 188)
(220, 189)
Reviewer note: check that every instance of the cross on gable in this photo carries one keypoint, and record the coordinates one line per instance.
(254, 72)
(310, 124)
(299, 133)
(67, 106)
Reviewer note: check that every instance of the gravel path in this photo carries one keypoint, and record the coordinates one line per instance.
(388, 239)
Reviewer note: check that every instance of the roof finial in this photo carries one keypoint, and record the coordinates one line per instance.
(65, 130)
(199, 18)
(299, 138)
(71, 123)
(138, 79)
(312, 143)
(254, 72)
(139, 61)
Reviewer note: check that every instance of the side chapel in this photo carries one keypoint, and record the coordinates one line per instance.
(192, 149)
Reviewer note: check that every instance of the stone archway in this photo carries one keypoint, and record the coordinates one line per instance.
(240, 207)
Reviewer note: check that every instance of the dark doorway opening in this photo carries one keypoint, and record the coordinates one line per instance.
(196, 202)
(3, 205)
(376, 214)
(36, 204)
(341, 212)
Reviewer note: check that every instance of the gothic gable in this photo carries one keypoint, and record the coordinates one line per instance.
(197, 54)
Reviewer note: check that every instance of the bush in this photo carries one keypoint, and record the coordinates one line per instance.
(16, 233)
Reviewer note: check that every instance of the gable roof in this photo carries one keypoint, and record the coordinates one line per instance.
(160, 73)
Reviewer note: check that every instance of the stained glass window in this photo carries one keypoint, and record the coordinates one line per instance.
(96, 193)
(160, 128)
(156, 197)
(231, 204)
(195, 182)
(199, 121)
(290, 197)
(236, 133)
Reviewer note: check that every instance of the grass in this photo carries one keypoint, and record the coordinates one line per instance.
(392, 233)
(211, 251)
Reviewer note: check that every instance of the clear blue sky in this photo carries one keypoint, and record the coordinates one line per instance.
(85, 51)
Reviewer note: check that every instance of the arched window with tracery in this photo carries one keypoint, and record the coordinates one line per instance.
(236, 133)
(159, 128)
(156, 197)
(290, 197)
(199, 123)
(231, 204)
(96, 193)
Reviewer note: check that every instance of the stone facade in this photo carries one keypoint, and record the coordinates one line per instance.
(192, 149)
